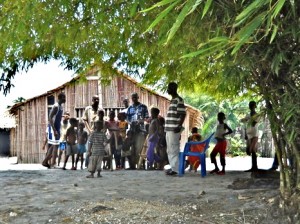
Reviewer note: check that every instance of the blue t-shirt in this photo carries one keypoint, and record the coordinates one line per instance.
(136, 112)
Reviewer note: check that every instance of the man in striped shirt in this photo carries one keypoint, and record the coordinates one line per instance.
(173, 127)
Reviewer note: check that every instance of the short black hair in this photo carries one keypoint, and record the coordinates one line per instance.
(155, 111)
(194, 130)
(135, 94)
(221, 115)
(60, 95)
(252, 104)
(73, 120)
(173, 85)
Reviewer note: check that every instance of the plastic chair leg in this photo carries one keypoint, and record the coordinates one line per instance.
(203, 165)
(181, 164)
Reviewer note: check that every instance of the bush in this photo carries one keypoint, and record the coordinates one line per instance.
(236, 146)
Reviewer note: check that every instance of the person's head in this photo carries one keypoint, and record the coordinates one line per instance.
(66, 117)
(61, 98)
(135, 98)
(73, 122)
(172, 88)
(95, 101)
(252, 105)
(126, 103)
(112, 115)
(194, 130)
(121, 116)
(98, 125)
(101, 114)
(221, 117)
(154, 112)
(81, 125)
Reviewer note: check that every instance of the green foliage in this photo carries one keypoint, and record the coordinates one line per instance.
(237, 146)
(210, 107)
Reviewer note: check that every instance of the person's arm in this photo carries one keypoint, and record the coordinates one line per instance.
(45, 143)
(52, 114)
(180, 123)
(229, 130)
(90, 145)
(85, 120)
(67, 135)
(85, 137)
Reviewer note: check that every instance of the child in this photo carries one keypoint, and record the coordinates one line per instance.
(126, 150)
(71, 137)
(82, 137)
(252, 134)
(62, 142)
(220, 147)
(153, 138)
(116, 140)
(161, 147)
(96, 149)
(123, 126)
(193, 161)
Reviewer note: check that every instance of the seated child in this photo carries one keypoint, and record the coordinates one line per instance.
(193, 161)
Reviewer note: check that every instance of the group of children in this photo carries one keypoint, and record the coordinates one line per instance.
(113, 139)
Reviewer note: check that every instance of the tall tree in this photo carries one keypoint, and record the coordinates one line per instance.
(247, 45)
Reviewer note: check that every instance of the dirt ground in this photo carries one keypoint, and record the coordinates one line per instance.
(31, 193)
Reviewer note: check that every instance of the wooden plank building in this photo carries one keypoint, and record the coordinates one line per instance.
(32, 115)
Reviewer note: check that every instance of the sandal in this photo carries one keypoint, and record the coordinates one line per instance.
(221, 172)
(214, 171)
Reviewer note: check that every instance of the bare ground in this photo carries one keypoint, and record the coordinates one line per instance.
(38, 195)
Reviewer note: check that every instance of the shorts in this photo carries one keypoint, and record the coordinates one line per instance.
(95, 163)
(81, 148)
(51, 137)
(71, 150)
(252, 132)
(62, 146)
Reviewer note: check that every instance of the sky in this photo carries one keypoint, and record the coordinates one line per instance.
(38, 80)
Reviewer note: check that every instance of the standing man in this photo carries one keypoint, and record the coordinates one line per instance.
(251, 121)
(53, 130)
(173, 126)
(89, 117)
(137, 113)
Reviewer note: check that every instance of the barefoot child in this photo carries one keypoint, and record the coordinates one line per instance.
(96, 149)
(123, 126)
(71, 137)
(153, 138)
(194, 161)
(82, 137)
(222, 130)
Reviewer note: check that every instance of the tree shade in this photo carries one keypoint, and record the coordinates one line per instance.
(225, 48)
